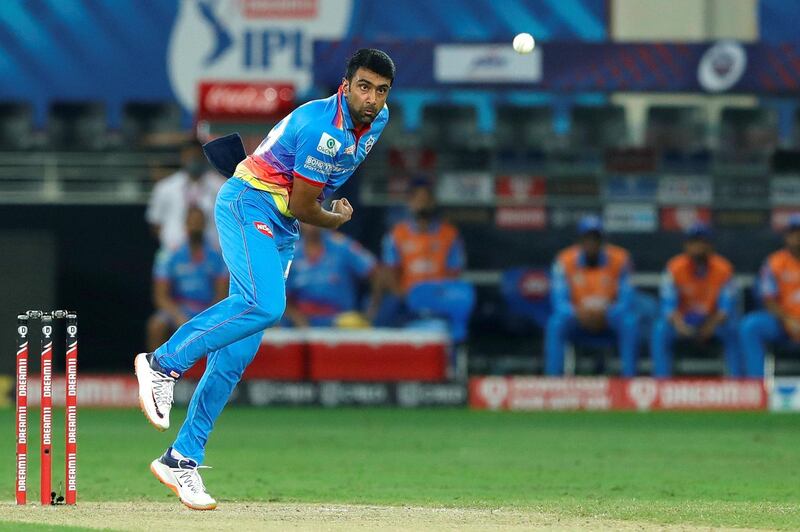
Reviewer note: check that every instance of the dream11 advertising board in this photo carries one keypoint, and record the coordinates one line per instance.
(601, 393)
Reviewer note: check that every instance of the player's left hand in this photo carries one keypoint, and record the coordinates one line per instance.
(343, 208)
(705, 332)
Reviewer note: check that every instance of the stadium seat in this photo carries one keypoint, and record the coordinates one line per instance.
(674, 128)
(448, 127)
(16, 125)
(786, 162)
(151, 124)
(526, 292)
(452, 131)
(598, 127)
(747, 132)
(520, 127)
(77, 126)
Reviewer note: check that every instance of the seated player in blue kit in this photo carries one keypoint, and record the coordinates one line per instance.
(186, 281)
(322, 289)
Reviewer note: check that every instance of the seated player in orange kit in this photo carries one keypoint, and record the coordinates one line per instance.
(779, 287)
(698, 301)
(423, 247)
(591, 293)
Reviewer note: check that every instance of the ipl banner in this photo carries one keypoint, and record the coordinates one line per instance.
(601, 393)
(247, 40)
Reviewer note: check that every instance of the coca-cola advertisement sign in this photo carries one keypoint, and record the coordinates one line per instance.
(244, 101)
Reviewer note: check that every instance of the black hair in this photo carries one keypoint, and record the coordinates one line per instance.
(372, 59)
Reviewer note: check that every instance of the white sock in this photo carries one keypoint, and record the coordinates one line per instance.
(176, 455)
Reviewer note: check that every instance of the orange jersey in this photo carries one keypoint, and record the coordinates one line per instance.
(698, 292)
(433, 255)
(780, 280)
(596, 287)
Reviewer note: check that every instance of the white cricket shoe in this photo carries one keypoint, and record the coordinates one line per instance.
(181, 476)
(155, 390)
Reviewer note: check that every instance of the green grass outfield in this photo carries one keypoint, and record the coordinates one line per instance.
(723, 469)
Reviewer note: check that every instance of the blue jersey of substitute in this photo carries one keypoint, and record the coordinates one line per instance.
(317, 143)
(191, 278)
(327, 285)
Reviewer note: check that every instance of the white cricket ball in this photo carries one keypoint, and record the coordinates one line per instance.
(523, 43)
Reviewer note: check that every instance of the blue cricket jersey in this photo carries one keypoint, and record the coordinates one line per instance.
(191, 278)
(318, 143)
(328, 284)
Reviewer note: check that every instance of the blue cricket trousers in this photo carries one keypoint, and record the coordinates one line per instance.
(664, 336)
(562, 326)
(257, 245)
(758, 329)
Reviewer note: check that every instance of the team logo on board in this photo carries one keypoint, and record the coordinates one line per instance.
(722, 66)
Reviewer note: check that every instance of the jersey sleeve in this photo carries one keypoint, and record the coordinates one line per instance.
(668, 293)
(389, 251)
(559, 290)
(728, 297)
(162, 266)
(456, 258)
(767, 283)
(314, 151)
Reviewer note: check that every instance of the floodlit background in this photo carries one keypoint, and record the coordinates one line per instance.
(649, 114)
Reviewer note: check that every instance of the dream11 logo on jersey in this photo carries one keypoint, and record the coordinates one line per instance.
(248, 40)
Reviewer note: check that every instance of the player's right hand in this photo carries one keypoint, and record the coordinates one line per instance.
(343, 208)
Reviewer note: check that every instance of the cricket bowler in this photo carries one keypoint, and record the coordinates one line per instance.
(303, 160)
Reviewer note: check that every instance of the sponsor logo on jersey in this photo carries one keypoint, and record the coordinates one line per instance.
(312, 163)
(350, 150)
(328, 145)
(263, 228)
(368, 145)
